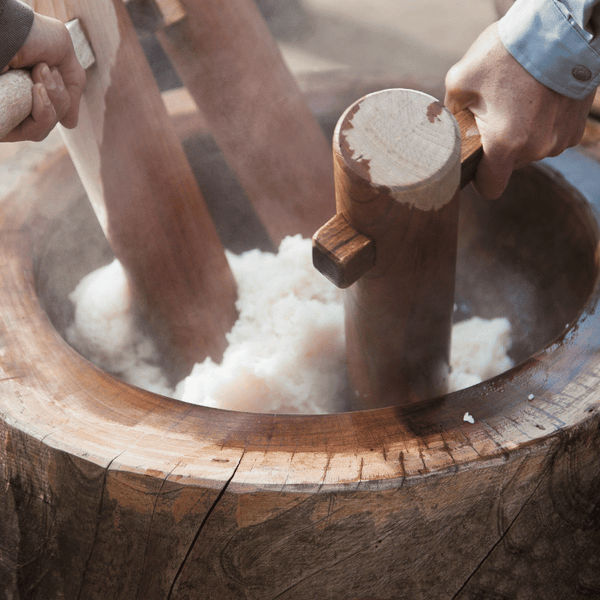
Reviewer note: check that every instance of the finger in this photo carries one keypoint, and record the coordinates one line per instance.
(494, 170)
(458, 96)
(582, 109)
(55, 88)
(490, 180)
(43, 115)
(59, 95)
(74, 79)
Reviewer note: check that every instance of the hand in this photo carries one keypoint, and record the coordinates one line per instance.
(58, 79)
(520, 120)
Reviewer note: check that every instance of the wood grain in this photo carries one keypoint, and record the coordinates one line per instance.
(342, 253)
(397, 168)
(471, 149)
(145, 196)
(106, 490)
(226, 57)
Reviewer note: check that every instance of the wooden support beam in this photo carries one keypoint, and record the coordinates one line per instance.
(226, 57)
(171, 10)
(144, 193)
(161, 12)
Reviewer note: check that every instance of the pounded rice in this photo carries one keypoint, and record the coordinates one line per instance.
(286, 350)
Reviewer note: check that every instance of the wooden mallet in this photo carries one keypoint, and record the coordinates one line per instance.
(399, 167)
(144, 193)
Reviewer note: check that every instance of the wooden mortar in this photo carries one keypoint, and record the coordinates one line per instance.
(108, 491)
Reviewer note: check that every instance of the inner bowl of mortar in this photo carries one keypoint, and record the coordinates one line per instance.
(529, 256)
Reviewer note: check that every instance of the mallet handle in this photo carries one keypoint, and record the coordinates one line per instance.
(471, 149)
(343, 254)
(16, 99)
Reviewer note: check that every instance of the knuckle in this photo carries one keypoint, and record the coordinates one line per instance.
(455, 80)
(39, 136)
(452, 78)
(506, 145)
(549, 147)
(577, 134)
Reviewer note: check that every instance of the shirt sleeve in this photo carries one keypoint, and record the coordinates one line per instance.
(16, 19)
(555, 41)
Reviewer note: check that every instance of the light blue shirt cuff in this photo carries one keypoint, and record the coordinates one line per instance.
(548, 42)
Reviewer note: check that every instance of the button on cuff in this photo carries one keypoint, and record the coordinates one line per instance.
(581, 73)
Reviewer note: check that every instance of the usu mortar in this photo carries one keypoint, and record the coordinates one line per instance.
(109, 491)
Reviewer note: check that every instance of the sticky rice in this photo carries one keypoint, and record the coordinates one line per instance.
(286, 350)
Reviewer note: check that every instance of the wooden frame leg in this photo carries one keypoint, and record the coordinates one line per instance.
(228, 60)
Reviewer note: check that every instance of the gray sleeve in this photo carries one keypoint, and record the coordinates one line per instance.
(556, 41)
(15, 23)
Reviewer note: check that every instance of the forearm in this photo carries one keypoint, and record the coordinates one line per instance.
(16, 20)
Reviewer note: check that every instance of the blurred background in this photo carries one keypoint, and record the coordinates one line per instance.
(407, 39)
(338, 50)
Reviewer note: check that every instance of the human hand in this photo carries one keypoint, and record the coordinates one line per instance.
(520, 120)
(58, 79)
